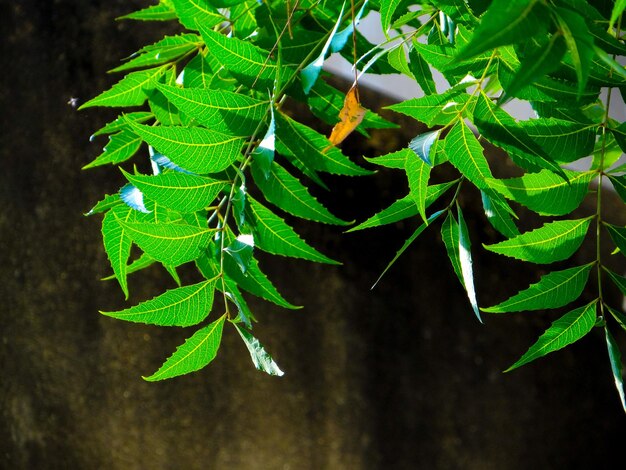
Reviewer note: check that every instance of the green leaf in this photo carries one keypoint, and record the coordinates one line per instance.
(195, 13)
(503, 131)
(618, 235)
(313, 149)
(120, 123)
(240, 250)
(160, 12)
(563, 141)
(286, 192)
(553, 290)
(619, 281)
(403, 208)
(422, 144)
(434, 109)
(538, 64)
(161, 52)
(465, 261)
(178, 191)
(566, 330)
(579, 43)
(618, 9)
(465, 153)
(615, 358)
(498, 214)
(260, 358)
(194, 354)
(418, 173)
(132, 90)
(545, 192)
(619, 316)
(422, 73)
(195, 149)
(450, 237)
(387, 9)
(408, 243)
(184, 306)
(117, 243)
(394, 160)
(218, 110)
(264, 153)
(507, 22)
(249, 64)
(120, 148)
(619, 183)
(273, 235)
(171, 244)
(555, 241)
(109, 201)
(310, 73)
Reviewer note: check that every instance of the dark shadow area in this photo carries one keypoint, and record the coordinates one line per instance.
(401, 377)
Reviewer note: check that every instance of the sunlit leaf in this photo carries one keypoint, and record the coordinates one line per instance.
(499, 215)
(553, 290)
(555, 241)
(184, 306)
(160, 12)
(566, 330)
(193, 13)
(465, 261)
(117, 243)
(194, 354)
(120, 148)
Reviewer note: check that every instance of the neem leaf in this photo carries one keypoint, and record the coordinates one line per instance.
(566, 330)
(192, 13)
(498, 214)
(545, 192)
(160, 12)
(165, 50)
(171, 244)
(194, 354)
(418, 173)
(465, 261)
(615, 358)
(260, 358)
(120, 148)
(618, 235)
(421, 144)
(579, 43)
(184, 306)
(132, 90)
(351, 115)
(507, 22)
(387, 9)
(465, 153)
(450, 238)
(392, 160)
(133, 198)
(240, 249)
(273, 235)
(403, 208)
(117, 243)
(310, 73)
(263, 155)
(248, 63)
(109, 201)
(433, 109)
(120, 122)
(195, 149)
(179, 191)
(618, 9)
(553, 290)
(555, 241)
(219, 110)
(287, 192)
(619, 281)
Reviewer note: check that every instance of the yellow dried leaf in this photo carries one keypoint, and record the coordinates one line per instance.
(351, 116)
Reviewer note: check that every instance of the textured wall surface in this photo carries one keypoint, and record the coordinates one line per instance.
(400, 377)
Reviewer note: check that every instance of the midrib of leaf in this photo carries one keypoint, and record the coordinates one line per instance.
(521, 187)
(146, 129)
(158, 237)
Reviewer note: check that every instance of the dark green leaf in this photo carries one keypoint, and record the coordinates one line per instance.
(618, 235)
(615, 358)
(619, 281)
(619, 183)
(498, 214)
(161, 52)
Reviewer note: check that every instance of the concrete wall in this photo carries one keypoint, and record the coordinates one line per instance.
(401, 377)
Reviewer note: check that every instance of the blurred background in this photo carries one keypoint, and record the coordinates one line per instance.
(401, 377)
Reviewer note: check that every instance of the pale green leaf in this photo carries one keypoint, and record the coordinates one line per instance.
(403, 208)
(171, 244)
(250, 64)
(273, 235)
(132, 90)
(618, 9)
(178, 191)
(555, 241)
(387, 10)
(260, 358)
(619, 317)
(160, 12)
(194, 354)
(545, 192)
(566, 330)
(434, 109)
(288, 193)
(553, 290)
(615, 358)
(263, 155)
(195, 149)
(184, 306)
(619, 183)
(394, 160)
(218, 110)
